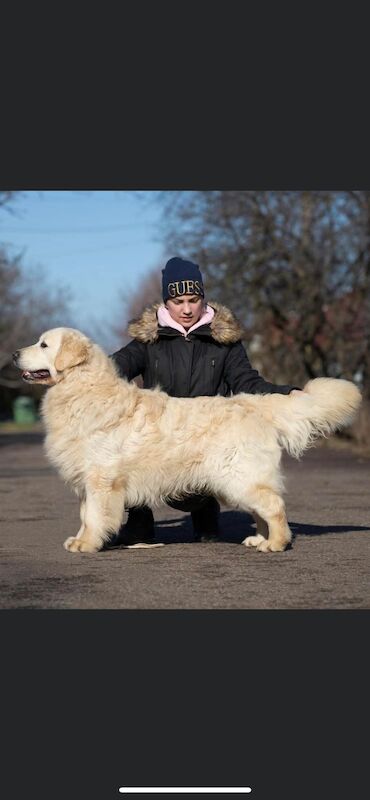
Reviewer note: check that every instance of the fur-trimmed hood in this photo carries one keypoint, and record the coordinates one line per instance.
(224, 327)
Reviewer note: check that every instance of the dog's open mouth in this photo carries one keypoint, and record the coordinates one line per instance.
(37, 375)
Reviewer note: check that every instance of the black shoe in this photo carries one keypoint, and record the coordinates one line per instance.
(205, 521)
(139, 529)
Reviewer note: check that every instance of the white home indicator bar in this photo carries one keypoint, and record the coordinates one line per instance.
(185, 790)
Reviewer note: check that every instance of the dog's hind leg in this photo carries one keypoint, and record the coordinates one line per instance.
(102, 515)
(262, 532)
(269, 507)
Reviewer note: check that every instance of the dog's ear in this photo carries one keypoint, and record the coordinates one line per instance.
(73, 350)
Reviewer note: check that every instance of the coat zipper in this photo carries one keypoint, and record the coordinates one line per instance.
(190, 363)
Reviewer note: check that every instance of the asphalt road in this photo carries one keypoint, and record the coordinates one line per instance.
(327, 566)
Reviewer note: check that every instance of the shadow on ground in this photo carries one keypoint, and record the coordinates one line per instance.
(235, 526)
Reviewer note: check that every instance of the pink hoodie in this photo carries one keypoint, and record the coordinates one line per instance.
(165, 319)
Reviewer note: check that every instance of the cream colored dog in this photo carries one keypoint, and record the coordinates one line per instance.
(120, 446)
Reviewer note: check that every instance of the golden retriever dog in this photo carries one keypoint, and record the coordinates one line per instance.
(119, 446)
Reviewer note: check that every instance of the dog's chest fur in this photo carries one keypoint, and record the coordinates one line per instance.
(65, 435)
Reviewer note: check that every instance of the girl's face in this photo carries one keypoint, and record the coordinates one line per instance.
(187, 310)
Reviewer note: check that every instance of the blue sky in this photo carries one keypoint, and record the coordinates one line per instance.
(95, 243)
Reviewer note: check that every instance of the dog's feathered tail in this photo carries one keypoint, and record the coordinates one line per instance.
(324, 406)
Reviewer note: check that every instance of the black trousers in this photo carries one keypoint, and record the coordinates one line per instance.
(192, 503)
(204, 510)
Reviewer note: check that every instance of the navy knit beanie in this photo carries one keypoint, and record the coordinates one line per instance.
(181, 277)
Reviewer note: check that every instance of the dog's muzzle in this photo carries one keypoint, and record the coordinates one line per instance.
(28, 375)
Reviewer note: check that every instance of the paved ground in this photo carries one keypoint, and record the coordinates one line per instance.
(327, 567)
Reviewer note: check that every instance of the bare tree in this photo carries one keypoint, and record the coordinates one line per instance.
(133, 303)
(294, 266)
(6, 200)
(28, 305)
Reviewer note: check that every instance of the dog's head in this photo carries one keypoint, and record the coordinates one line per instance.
(56, 351)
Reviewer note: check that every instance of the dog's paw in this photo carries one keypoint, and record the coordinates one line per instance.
(254, 541)
(75, 545)
(269, 547)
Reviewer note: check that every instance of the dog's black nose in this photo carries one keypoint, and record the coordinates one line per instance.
(16, 355)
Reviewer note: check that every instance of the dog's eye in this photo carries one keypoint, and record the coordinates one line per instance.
(43, 344)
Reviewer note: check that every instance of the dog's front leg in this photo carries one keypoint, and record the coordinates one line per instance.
(82, 517)
(101, 515)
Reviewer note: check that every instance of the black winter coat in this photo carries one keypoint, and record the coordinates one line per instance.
(209, 361)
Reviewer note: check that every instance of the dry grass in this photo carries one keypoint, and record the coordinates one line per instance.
(16, 427)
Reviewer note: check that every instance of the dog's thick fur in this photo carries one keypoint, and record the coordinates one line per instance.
(120, 446)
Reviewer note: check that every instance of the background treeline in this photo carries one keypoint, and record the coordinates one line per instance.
(28, 305)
